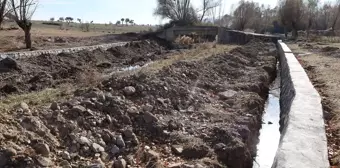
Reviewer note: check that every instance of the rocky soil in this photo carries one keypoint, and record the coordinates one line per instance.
(46, 71)
(191, 114)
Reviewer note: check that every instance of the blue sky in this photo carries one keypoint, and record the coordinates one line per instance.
(104, 11)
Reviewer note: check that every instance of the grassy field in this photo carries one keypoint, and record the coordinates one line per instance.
(74, 29)
(72, 35)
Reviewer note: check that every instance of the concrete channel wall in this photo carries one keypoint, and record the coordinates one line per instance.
(224, 35)
(303, 141)
(18, 55)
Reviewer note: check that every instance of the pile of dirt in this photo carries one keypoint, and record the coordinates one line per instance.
(48, 70)
(203, 113)
(329, 49)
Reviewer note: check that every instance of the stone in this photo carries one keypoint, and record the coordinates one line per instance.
(97, 165)
(65, 164)
(65, 155)
(147, 108)
(129, 90)
(195, 151)
(149, 118)
(176, 165)
(132, 110)
(97, 148)
(120, 163)
(219, 146)
(120, 141)
(43, 161)
(115, 150)
(188, 166)
(24, 106)
(197, 165)
(128, 133)
(269, 122)
(177, 149)
(104, 157)
(84, 141)
(227, 94)
(107, 136)
(152, 155)
(54, 106)
(78, 109)
(127, 120)
(42, 149)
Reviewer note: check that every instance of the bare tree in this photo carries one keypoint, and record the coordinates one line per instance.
(2, 10)
(207, 5)
(336, 16)
(23, 11)
(180, 11)
(290, 12)
(312, 8)
(243, 14)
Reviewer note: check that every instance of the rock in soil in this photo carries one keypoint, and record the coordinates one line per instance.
(42, 149)
(120, 163)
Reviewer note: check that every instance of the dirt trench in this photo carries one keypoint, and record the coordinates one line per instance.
(198, 113)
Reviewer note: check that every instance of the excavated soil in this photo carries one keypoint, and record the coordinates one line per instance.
(46, 71)
(203, 113)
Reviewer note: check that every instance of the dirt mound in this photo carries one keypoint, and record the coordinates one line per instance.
(36, 73)
(8, 64)
(329, 49)
(203, 113)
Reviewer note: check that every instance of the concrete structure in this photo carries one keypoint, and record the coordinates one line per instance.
(224, 35)
(303, 141)
(17, 55)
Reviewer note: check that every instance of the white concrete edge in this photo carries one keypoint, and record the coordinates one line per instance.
(303, 142)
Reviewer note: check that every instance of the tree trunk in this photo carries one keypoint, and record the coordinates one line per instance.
(294, 31)
(309, 27)
(2, 11)
(28, 39)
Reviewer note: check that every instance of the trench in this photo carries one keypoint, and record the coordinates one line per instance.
(269, 134)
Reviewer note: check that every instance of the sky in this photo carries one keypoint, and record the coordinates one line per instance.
(105, 11)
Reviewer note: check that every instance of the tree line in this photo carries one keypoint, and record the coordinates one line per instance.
(288, 15)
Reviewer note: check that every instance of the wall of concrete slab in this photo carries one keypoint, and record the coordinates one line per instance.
(303, 140)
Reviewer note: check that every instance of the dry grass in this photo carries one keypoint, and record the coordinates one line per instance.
(36, 99)
(74, 30)
(328, 39)
(203, 50)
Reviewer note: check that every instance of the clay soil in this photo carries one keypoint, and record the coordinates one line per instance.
(322, 62)
(203, 112)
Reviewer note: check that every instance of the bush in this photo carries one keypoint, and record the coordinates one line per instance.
(52, 23)
(85, 27)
